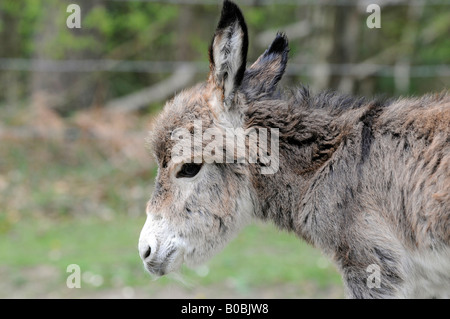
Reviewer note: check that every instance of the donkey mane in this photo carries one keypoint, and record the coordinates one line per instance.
(314, 124)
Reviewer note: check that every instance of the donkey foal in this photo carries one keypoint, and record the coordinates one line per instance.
(366, 182)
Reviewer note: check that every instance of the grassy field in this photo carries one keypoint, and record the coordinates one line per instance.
(80, 200)
(261, 262)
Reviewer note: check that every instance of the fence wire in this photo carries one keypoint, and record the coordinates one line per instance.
(345, 69)
(302, 2)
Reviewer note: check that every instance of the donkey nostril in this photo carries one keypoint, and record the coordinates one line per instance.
(147, 252)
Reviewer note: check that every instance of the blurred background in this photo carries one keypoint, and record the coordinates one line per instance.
(75, 108)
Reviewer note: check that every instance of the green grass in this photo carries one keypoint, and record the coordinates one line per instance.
(260, 256)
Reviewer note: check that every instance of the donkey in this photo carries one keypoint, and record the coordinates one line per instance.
(365, 181)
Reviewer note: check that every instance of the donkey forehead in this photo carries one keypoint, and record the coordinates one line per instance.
(192, 100)
(182, 111)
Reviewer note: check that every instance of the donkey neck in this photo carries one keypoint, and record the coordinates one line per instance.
(313, 130)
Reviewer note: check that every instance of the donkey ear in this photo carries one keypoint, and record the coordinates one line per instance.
(262, 77)
(228, 51)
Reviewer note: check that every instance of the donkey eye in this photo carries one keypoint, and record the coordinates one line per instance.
(189, 170)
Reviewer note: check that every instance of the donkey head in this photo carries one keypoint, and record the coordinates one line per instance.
(201, 201)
